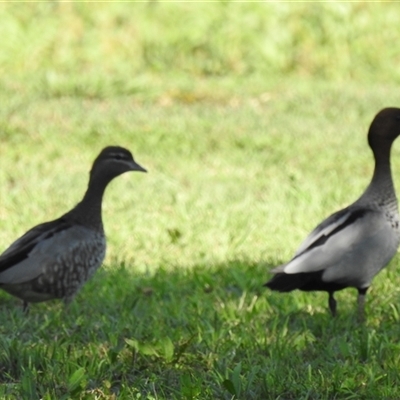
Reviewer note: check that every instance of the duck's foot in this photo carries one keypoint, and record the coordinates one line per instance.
(332, 304)
(25, 307)
(361, 304)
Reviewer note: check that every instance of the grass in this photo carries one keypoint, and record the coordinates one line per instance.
(243, 162)
(65, 46)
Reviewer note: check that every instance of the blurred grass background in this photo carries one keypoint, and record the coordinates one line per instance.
(59, 48)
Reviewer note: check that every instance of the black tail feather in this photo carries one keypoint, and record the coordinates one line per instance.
(282, 282)
(308, 281)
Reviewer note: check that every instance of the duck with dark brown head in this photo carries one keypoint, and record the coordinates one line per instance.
(352, 245)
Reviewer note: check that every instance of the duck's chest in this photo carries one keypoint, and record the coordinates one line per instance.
(73, 267)
(87, 257)
(392, 217)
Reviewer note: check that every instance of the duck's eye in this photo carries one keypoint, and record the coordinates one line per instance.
(118, 157)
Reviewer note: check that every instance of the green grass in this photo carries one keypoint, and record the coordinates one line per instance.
(246, 154)
(68, 45)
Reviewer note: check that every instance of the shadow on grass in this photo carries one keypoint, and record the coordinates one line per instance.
(213, 330)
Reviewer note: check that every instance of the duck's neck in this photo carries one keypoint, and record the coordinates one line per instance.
(381, 189)
(88, 210)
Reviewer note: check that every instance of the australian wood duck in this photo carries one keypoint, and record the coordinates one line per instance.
(54, 259)
(352, 245)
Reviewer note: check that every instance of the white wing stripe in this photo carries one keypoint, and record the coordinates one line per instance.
(314, 236)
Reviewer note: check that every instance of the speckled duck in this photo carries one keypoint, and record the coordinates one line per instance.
(54, 259)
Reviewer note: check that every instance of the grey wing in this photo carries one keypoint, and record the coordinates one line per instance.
(341, 235)
(44, 250)
(22, 247)
(324, 229)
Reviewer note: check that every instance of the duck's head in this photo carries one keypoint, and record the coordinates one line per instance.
(113, 161)
(384, 128)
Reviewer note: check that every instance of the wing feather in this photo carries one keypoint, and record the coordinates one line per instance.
(335, 237)
(54, 248)
(22, 247)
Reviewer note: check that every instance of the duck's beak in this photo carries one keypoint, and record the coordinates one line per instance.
(136, 167)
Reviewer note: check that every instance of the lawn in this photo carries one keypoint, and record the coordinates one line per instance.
(245, 156)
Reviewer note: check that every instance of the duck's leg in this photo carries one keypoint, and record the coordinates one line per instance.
(67, 300)
(332, 304)
(361, 303)
(25, 307)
